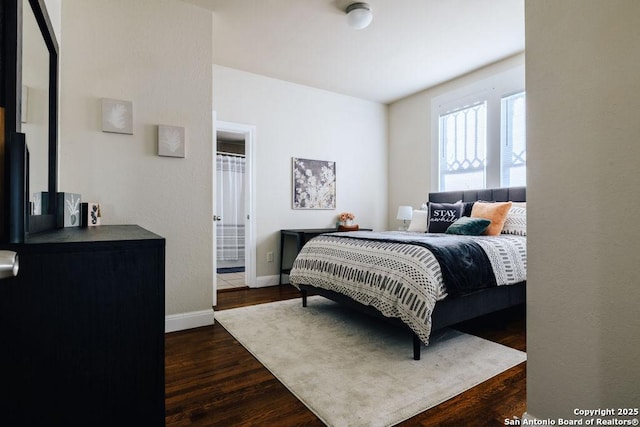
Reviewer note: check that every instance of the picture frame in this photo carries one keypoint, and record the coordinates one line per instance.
(69, 209)
(117, 116)
(171, 141)
(90, 214)
(314, 184)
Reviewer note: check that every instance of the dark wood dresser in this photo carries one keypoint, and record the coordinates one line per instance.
(83, 329)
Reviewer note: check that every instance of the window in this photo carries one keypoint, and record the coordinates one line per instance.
(514, 143)
(480, 134)
(463, 137)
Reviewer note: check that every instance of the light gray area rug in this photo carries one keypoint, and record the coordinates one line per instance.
(354, 370)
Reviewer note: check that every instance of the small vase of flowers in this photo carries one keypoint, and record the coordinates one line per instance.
(346, 218)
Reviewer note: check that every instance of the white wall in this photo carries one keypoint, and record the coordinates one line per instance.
(157, 54)
(54, 10)
(583, 99)
(410, 136)
(298, 121)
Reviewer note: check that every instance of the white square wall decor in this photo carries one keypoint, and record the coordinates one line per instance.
(117, 116)
(171, 141)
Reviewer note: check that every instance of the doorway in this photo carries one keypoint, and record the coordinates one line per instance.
(234, 203)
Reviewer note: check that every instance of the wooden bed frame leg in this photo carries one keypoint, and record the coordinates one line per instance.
(304, 297)
(416, 347)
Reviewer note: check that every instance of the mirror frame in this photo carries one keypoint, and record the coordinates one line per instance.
(48, 220)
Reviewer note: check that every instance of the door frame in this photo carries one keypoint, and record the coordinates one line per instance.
(249, 133)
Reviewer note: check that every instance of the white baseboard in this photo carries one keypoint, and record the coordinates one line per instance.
(266, 281)
(192, 319)
(196, 319)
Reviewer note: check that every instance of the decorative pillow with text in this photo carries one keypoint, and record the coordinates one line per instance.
(442, 215)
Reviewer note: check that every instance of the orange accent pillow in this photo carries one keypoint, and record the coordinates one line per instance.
(496, 212)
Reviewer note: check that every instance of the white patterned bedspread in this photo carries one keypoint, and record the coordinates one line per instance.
(400, 279)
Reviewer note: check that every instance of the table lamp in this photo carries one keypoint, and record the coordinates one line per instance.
(405, 213)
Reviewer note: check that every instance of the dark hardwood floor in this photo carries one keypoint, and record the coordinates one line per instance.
(211, 380)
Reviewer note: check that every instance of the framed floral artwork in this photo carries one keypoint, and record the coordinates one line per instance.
(314, 184)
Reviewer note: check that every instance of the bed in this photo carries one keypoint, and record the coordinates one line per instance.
(425, 281)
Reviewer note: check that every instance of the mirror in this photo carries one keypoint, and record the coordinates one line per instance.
(35, 107)
(38, 90)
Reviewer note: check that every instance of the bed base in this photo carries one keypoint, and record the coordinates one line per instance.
(447, 312)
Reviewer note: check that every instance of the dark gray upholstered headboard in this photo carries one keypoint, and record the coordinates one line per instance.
(514, 194)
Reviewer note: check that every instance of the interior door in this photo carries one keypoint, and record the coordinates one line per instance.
(248, 133)
(215, 216)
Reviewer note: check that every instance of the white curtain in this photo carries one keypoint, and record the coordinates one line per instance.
(230, 206)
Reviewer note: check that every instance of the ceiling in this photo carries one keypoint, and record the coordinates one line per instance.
(410, 45)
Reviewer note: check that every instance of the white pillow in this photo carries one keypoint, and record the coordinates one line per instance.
(516, 221)
(419, 221)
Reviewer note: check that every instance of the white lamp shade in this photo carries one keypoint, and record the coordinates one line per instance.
(359, 15)
(405, 213)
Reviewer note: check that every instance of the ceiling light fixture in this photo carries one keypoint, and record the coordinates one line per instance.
(359, 15)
